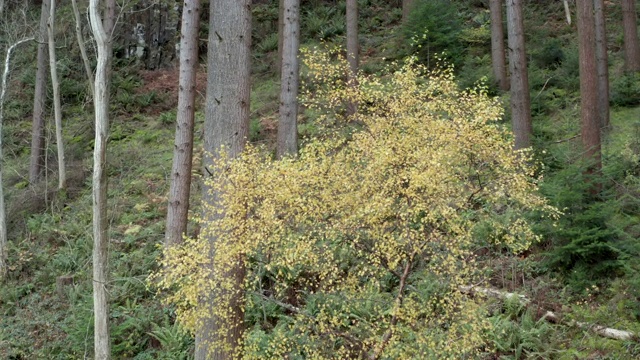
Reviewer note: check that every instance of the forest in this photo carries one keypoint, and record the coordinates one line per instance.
(319, 179)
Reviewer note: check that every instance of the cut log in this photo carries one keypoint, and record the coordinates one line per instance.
(550, 316)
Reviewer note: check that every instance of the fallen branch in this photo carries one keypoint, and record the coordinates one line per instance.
(550, 316)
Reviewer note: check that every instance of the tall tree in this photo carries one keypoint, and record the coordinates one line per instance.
(102, 346)
(219, 332)
(498, 61)
(520, 99)
(602, 63)
(57, 106)
(630, 30)
(83, 48)
(3, 221)
(590, 124)
(39, 97)
(177, 214)
(352, 49)
(288, 124)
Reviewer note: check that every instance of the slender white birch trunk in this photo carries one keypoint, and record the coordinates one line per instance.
(83, 48)
(102, 346)
(57, 106)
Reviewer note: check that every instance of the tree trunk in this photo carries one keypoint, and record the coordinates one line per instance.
(83, 49)
(226, 126)
(497, 45)
(630, 30)
(406, 9)
(602, 63)
(520, 100)
(177, 214)
(288, 124)
(39, 97)
(3, 217)
(57, 106)
(352, 50)
(590, 124)
(102, 345)
(567, 11)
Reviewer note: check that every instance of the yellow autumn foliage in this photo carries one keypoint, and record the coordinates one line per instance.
(357, 247)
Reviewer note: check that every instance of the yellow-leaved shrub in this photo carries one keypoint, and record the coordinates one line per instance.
(358, 247)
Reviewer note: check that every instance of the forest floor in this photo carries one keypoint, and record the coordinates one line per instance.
(46, 303)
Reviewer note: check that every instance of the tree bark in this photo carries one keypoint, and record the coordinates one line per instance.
(590, 124)
(602, 63)
(226, 126)
(102, 346)
(630, 30)
(497, 45)
(57, 106)
(567, 11)
(3, 217)
(83, 48)
(178, 210)
(39, 97)
(352, 50)
(288, 124)
(520, 99)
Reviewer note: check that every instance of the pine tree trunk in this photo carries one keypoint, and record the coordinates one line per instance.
(630, 30)
(497, 45)
(602, 63)
(57, 106)
(288, 124)
(352, 50)
(102, 346)
(226, 125)
(39, 97)
(83, 48)
(3, 217)
(520, 100)
(590, 124)
(177, 214)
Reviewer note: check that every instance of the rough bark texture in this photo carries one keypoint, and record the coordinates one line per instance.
(406, 9)
(226, 126)
(39, 97)
(177, 214)
(102, 346)
(288, 124)
(498, 61)
(352, 50)
(602, 63)
(590, 125)
(3, 217)
(83, 49)
(520, 100)
(57, 106)
(630, 30)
